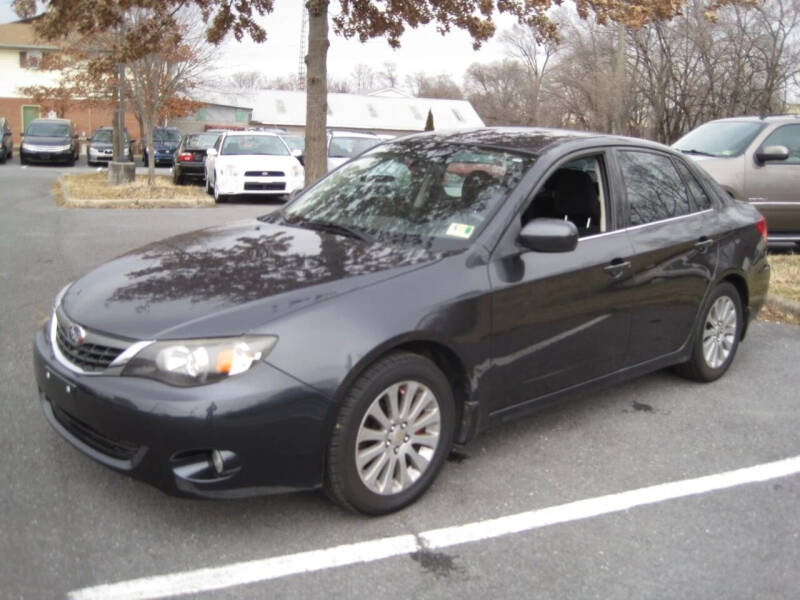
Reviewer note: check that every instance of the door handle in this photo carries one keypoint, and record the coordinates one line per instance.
(616, 267)
(704, 243)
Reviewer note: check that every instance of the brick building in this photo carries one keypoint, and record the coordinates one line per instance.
(21, 52)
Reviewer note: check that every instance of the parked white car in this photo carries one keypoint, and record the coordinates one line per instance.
(252, 162)
(344, 145)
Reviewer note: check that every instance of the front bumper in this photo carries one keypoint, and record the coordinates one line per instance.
(236, 185)
(46, 156)
(271, 428)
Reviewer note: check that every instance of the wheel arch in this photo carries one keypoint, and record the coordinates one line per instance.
(440, 353)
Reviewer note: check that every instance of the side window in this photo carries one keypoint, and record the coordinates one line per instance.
(574, 192)
(789, 136)
(701, 199)
(653, 187)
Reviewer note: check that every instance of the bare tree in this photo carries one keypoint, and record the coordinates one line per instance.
(533, 49)
(363, 79)
(165, 72)
(433, 86)
(248, 80)
(389, 77)
(498, 91)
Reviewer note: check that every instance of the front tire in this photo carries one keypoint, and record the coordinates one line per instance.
(393, 433)
(717, 336)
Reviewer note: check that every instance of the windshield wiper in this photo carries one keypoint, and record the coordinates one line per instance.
(332, 227)
(693, 151)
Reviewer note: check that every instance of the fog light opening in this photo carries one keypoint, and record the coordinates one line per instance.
(217, 461)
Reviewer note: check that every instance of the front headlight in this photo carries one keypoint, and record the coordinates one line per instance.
(63, 148)
(230, 171)
(201, 361)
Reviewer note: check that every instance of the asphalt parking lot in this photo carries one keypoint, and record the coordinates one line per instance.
(71, 525)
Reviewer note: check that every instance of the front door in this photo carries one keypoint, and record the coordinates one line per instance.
(561, 319)
(29, 113)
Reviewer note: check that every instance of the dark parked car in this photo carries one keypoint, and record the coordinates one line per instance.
(191, 157)
(165, 143)
(6, 143)
(431, 288)
(49, 140)
(100, 148)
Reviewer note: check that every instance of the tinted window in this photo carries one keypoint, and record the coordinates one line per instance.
(726, 138)
(166, 135)
(701, 199)
(346, 147)
(103, 135)
(789, 136)
(200, 140)
(653, 187)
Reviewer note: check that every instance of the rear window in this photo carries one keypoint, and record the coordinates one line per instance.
(347, 147)
(200, 140)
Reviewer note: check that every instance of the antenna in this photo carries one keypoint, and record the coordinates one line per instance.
(301, 63)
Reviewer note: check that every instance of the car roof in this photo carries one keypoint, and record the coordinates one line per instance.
(530, 140)
(52, 120)
(240, 133)
(361, 134)
(761, 119)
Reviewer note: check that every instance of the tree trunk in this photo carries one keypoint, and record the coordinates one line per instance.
(151, 159)
(316, 157)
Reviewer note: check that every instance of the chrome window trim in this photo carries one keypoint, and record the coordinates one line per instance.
(634, 227)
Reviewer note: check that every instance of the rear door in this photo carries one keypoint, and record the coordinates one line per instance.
(674, 255)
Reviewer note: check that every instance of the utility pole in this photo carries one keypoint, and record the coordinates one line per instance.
(301, 63)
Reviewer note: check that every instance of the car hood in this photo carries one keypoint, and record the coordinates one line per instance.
(47, 140)
(229, 279)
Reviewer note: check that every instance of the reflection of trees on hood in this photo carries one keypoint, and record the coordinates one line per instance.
(252, 266)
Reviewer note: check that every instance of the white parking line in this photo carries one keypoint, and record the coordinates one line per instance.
(205, 580)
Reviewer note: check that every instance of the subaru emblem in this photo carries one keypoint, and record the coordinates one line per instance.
(76, 335)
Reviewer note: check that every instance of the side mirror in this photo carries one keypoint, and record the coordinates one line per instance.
(549, 235)
(772, 153)
(298, 154)
(211, 152)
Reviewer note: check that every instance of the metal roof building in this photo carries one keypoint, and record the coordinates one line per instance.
(386, 111)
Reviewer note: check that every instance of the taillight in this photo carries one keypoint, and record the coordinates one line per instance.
(186, 157)
(762, 227)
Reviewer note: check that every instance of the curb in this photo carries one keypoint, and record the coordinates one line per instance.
(784, 305)
(70, 202)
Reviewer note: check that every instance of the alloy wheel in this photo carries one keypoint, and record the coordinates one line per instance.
(719, 332)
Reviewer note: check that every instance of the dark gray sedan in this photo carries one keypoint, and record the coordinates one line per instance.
(426, 290)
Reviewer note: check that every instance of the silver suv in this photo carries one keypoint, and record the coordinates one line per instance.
(756, 159)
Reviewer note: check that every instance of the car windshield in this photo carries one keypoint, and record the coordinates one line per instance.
(166, 135)
(44, 129)
(430, 194)
(200, 140)
(347, 147)
(103, 135)
(295, 142)
(721, 138)
(254, 144)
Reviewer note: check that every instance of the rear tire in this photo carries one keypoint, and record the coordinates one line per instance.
(717, 336)
(392, 435)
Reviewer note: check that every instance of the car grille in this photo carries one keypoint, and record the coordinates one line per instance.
(252, 185)
(87, 356)
(264, 174)
(116, 449)
(32, 148)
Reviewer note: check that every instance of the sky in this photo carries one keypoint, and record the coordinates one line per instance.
(423, 49)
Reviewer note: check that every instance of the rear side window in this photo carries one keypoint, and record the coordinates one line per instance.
(701, 199)
(653, 187)
(789, 136)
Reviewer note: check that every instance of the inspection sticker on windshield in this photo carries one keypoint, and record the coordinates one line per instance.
(460, 230)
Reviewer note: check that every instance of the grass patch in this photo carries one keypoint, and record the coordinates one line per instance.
(785, 280)
(94, 186)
